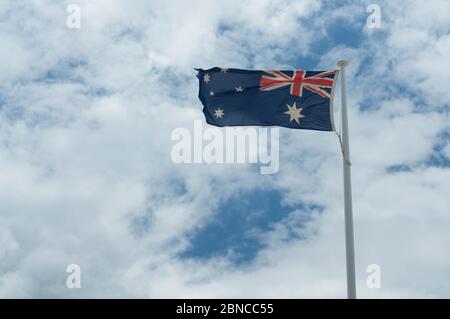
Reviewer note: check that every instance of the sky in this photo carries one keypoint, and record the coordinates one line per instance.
(86, 116)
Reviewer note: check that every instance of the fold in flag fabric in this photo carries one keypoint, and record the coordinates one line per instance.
(293, 99)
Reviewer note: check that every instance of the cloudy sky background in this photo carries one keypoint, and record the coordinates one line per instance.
(86, 176)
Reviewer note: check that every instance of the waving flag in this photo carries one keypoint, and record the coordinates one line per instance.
(293, 99)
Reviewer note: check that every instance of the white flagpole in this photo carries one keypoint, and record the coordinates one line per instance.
(349, 241)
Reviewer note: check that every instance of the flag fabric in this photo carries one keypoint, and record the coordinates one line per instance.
(293, 99)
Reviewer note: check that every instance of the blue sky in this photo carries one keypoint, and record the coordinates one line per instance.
(238, 227)
(86, 117)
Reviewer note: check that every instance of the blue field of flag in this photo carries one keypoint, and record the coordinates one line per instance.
(293, 99)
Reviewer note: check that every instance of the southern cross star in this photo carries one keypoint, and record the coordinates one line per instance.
(218, 113)
(211, 93)
(239, 89)
(294, 113)
(206, 78)
(224, 70)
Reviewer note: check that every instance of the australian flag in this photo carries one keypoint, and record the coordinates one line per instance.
(293, 99)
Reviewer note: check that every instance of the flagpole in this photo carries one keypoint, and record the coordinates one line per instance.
(349, 240)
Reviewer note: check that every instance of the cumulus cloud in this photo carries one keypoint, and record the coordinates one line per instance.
(85, 122)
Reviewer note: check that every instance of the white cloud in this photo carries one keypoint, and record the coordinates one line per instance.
(85, 123)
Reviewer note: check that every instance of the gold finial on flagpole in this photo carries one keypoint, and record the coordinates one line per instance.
(342, 63)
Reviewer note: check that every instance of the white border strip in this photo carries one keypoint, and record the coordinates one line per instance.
(332, 100)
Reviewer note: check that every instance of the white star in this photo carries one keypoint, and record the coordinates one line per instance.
(218, 113)
(211, 93)
(239, 89)
(206, 78)
(223, 70)
(294, 113)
